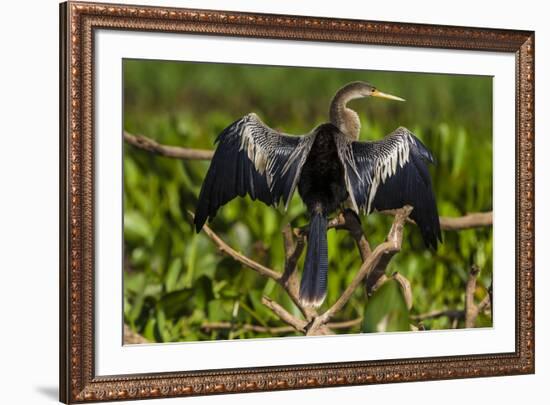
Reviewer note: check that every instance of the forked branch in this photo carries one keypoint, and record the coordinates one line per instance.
(287, 280)
(315, 324)
(385, 250)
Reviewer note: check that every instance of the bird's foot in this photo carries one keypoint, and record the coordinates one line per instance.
(349, 213)
(308, 326)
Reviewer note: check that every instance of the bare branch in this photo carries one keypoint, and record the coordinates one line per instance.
(289, 281)
(473, 220)
(353, 225)
(248, 262)
(470, 308)
(208, 326)
(371, 288)
(285, 316)
(468, 221)
(387, 248)
(132, 338)
(404, 285)
(449, 313)
(293, 251)
(376, 263)
(452, 313)
(376, 276)
(176, 152)
(345, 324)
(288, 240)
(484, 304)
(406, 289)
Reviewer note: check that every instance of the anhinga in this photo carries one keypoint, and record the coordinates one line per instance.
(330, 166)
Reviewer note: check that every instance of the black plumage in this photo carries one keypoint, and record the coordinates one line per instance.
(322, 188)
(252, 159)
(391, 173)
(330, 167)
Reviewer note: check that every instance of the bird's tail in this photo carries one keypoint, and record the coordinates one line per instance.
(313, 287)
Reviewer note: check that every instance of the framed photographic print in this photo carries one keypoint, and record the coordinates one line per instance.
(263, 202)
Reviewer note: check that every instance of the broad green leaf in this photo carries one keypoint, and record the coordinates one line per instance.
(218, 310)
(137, 228)
(459, 151)
(386, 310)
(172, 275)
(161, 325)
(177, 303)
(149, 331)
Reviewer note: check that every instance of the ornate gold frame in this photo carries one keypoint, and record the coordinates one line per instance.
(78, 381)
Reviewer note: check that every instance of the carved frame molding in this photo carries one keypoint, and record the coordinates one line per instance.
(78, 382)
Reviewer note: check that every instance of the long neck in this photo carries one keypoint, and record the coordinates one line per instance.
(344, 118)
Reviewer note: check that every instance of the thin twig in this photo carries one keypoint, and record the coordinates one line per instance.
(404, 285)
(406, 289)
(449, 313)
(484, 304)
(284, 315)
(471, 310)
(248, 262)
(210, 326)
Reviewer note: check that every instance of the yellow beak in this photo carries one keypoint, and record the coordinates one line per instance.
(377, 93)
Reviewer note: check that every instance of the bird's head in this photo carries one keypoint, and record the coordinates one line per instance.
(359, 89)
(345, 118)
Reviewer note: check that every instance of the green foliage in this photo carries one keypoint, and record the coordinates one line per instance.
(175, 280)
(386, 310)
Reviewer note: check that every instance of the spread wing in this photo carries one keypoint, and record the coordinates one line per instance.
(389, 174)
(252, 159)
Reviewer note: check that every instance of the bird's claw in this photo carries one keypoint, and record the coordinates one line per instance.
(349, 212)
